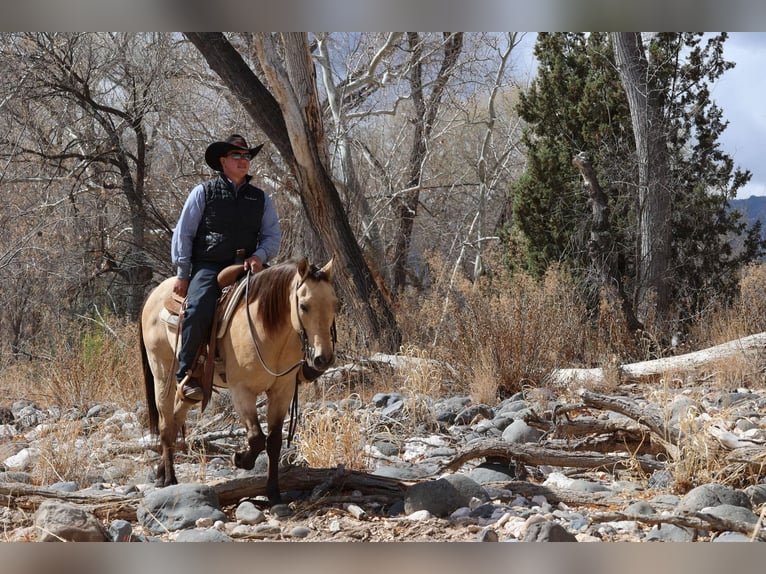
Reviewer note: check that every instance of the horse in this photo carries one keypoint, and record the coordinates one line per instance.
(282, 333)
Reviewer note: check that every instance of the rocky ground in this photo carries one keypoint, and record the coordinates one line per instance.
(637, 464)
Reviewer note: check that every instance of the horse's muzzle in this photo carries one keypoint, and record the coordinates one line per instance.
(322, 361)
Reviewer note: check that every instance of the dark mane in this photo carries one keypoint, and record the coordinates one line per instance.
(271, 287)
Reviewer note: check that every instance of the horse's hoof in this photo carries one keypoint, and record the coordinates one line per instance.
(241, 460)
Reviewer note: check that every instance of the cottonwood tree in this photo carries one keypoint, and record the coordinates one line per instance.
(645, 100)
(288, 112)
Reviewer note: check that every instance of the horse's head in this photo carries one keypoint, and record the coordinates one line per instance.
(313, 313)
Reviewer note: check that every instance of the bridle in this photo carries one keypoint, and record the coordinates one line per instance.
(309, 372)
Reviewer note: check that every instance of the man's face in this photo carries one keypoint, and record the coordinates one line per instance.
(236, 164)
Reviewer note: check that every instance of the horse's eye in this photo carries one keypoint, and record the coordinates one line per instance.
(304, 308)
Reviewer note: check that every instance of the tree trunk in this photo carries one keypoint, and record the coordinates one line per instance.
(602, 258)
(292, 120)
(423, 120)
(653, 197)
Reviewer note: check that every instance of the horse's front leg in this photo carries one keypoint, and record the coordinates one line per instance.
(256, 441)
(274, 449)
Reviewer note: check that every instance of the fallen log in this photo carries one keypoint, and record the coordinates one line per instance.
(535, 455)
(108, 506)
(666, 435)
(316, 480)
(554, 494)
(742, 350)
(696, 520)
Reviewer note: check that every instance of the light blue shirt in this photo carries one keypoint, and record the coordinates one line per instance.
(189, 220)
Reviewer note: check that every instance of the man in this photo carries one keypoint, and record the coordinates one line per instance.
(220, 216)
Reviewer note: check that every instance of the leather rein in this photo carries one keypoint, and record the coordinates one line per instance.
(309, 372)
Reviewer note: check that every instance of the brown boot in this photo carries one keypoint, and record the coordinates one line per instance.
(189, 389)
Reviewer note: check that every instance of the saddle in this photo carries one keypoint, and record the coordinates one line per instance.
(231, 281)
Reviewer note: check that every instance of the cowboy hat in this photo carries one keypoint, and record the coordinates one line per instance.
(215, 150)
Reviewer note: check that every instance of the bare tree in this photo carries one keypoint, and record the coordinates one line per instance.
(291, 118)
(426, 107)
(86, 108)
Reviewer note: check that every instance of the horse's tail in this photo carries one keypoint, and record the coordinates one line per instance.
(151, 401)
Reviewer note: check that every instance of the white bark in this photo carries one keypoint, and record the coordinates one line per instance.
(744, 350)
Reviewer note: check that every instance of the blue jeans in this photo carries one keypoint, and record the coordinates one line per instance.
(201, 298)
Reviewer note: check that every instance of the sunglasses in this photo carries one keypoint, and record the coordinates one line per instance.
(240, 155)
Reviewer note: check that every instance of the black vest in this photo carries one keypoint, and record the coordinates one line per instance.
(230, 221)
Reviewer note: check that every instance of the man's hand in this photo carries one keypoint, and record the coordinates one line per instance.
(180, 287)
(253, 264)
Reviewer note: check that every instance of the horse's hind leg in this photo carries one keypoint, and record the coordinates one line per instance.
(170, 423)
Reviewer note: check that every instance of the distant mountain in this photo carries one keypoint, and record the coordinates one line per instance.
(752, 209)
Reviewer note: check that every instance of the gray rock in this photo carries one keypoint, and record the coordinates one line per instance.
(281, 511)
(179, 506)
(520, 432)
(120, 531)
(387, 448)
(670, 533)
(248, 513)
(510, 406)
(386, 399)
(404, 471)
(68, 486)
(492, 472)
(58, 521)
(713, 494)
(547, 531)
(640, 508)
(757, 494)
(468, 414)
(443, 496)
(447, 409)
(587, 486)
(732, 537)
(392, 409)
(731, 512)
(660, 480)
(745, 425)
(300, 532)
(670, 500)
(16, 476)
(206, 535)
(487, 535)
(467, 486)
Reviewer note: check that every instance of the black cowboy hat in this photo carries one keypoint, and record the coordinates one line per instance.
(215, 150)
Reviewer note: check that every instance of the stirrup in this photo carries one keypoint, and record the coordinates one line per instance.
(189, 393)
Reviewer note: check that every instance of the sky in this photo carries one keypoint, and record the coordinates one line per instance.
(739, 93)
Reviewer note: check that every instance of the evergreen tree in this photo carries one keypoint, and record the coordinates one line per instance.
(577, 104)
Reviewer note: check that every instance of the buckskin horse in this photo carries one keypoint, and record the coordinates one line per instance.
(282, 333)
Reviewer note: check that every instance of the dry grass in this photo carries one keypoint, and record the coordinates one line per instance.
(86, 368)
(327, 437)
(63, 455)
(502, 332)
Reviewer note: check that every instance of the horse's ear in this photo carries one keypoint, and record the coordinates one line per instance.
(303, 268)
(327, 269)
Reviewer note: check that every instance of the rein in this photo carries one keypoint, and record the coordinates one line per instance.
(304, 339)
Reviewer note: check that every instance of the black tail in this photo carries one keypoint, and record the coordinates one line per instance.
(151, 401)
